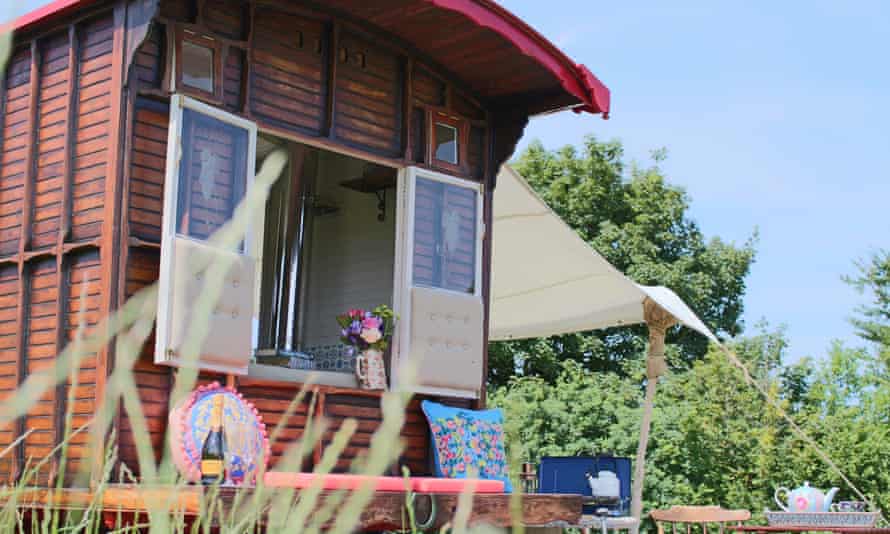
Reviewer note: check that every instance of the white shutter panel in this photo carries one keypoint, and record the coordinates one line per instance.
(438, 283)
(210, 165)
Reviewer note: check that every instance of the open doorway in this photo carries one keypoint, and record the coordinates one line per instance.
(328, 246)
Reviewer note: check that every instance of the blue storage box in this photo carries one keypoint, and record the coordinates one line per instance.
(566, 474)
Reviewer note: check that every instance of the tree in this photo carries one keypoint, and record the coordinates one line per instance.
(873, 279)
(639, 222)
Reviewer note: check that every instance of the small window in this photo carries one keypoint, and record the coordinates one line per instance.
(446, 148)
(197, 66)
(447, 142)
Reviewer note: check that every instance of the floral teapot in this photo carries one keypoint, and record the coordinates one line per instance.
(805, 499)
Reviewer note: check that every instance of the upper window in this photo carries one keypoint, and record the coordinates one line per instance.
(447, 142)
(197, 66)
(446, 148)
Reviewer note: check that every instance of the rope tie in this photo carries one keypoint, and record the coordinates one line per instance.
(658, 321)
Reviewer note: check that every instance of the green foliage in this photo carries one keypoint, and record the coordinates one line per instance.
(873, 279)
(639, 222)
(714, 439)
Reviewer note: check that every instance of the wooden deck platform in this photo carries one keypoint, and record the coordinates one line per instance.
(385, 511)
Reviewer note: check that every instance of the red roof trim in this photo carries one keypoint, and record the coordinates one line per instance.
(576, 79)
(39, 14)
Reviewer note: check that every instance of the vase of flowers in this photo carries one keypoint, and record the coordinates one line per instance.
(367, 333)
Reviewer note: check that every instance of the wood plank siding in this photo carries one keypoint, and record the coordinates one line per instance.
(56, 151)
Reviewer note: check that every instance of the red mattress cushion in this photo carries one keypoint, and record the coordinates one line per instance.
(280, 479)
(456, 485)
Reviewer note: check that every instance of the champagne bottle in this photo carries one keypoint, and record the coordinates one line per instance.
(213, 452)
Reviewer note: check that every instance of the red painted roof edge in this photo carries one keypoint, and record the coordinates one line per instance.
(38, 14)
(576, 79)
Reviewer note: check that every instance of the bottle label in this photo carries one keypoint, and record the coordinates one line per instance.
(211, 467)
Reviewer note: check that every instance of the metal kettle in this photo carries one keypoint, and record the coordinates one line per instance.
(605, 485)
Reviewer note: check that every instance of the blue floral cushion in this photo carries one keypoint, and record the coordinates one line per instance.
(466, 439)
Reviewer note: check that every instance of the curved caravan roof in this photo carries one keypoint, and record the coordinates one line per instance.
(498, 55)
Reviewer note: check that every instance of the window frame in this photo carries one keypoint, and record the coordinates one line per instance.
(253, 233)
(404, 267)
(184, 35)
(448, 119)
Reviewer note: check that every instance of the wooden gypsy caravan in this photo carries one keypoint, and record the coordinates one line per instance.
(396, 116)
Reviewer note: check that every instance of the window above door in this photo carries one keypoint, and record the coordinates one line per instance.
(448, 142)
(199, 66)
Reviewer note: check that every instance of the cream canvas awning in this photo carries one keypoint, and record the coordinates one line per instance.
(546, 280)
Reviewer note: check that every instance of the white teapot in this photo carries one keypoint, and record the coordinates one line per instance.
(605, 484)
(805, 499)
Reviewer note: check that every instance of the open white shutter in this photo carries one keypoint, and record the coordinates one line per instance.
(439, 283)
(210, 165)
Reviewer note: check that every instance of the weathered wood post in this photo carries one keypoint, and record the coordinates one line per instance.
(658, 321)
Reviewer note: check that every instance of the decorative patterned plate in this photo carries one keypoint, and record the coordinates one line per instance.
(247, 446)
(822, 519)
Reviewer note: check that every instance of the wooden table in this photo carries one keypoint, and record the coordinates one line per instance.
(384, 512)
(838, 530)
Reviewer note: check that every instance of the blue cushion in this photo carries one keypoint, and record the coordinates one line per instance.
(467, 439)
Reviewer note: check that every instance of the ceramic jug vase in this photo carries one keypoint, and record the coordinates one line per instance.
(370, 369)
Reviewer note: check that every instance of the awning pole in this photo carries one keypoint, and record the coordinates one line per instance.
(658, 321)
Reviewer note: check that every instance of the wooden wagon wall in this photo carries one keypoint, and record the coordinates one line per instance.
(83, 144)
(305, 76)
(59, 122)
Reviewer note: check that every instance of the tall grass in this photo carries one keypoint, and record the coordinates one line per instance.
(25, 507)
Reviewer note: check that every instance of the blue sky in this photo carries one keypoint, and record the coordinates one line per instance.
(775, 116)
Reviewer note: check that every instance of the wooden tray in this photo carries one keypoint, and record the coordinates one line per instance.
(822, 519)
